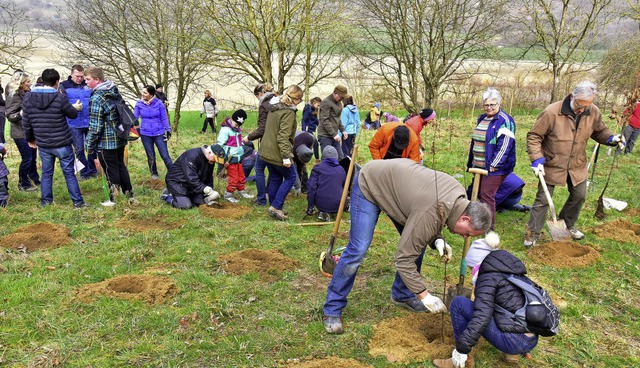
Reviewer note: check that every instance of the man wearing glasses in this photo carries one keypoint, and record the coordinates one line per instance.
(557, 148)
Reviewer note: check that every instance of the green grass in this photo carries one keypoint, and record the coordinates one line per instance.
(243, 321)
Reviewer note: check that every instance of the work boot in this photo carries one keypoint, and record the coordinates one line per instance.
(530, 238)
(413, 305)
(576, 234)
(333, 325)
(324, 216)
(165, 193)
(443, 363)
(229, 197)
(244, 194)
(276, 213)
(511, 358)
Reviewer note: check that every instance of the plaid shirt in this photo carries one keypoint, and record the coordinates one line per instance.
(102, 118)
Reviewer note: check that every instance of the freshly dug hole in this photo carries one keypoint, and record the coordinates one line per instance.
(224, 211)
(148, 288)
(266, 263)
(564, 254)
(43, 235)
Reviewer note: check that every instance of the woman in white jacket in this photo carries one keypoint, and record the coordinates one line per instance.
(209, 108)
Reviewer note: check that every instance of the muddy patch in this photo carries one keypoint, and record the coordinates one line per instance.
(415, 337)
(225, 211)
(43, 235)
(564, 254)
(619, 230)
(155, 184)
(148, 288)
(329, 362)
(267, 263)
(140, 223)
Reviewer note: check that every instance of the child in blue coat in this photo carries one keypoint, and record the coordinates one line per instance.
(325, 185)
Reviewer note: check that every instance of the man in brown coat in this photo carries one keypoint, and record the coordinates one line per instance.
(330, 129)
(557, 148)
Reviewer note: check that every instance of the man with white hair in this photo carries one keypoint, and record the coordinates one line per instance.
(557, 148)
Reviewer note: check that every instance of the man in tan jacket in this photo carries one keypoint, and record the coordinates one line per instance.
(557, 148)
(420, 202)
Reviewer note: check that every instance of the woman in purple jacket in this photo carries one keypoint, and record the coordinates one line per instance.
(154, 128)
(325, 185)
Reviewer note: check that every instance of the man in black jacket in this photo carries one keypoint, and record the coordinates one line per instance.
(45, 127)
(190, 179)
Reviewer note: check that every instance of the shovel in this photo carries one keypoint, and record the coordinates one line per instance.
(557, 228)
(459, 289)
(328, 260)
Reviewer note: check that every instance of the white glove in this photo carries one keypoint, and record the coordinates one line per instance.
(208, 190)
(211, 198)
(78, 105)
(434, 304)
(442, 247)
(458, 359)
(286, 162)
(337, 138)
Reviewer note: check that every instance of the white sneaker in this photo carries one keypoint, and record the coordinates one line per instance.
(244, 194)
(576, 234)
(229, 197)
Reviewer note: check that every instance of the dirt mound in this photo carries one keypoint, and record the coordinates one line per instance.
(154, 222)
(619, 230)
(329, 362)
(633, 212)
(564, 254)
(43, 235)
(225, 211)
(413, 337)
(148, 288)
(155, 184)
(266, 263)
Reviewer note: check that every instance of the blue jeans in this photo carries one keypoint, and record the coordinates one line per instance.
(148, 142)
(261, 185)
(78, 144)
(281, 180)
(28, 170)
(461, 310)
(364, 217)
(66, 157)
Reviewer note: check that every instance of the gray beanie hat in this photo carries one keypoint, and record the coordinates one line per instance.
(304, 153)
(329, 152)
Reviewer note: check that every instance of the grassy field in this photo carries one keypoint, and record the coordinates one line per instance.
(247, 321)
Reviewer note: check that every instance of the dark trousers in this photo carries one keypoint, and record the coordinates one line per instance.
(4, 191)
(570, 210)
(347, 144)
(112, 162)
(211, 123)
(28, 170)
(329, 141)
(3, 120)
(78, 145)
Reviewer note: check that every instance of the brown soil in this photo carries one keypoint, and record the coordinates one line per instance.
(43, 235)
(148, 288)
(142, 224)
(156, 184)
(417, 336)
(266, 263)
(633, 212)
(619, 230)
(564, 254)
(225, 211)
(329, 362)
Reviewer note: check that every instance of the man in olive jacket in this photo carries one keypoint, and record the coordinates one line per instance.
(330, 129)
(557, 149)
(420, 202)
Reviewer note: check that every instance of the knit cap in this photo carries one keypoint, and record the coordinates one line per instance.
(239, 117)
(329, 152)
(304, 153)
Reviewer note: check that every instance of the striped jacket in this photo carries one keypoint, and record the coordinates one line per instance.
(500, 144)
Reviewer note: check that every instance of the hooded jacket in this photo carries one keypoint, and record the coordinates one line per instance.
(77, 92)
(493, 288)
(264, 106)
(190, 173)
(350, 118)
(103, 119)
(500, 144)
(279, 133)
(324, 189)
(153, 115)
(231, 139)
(44, 117)
(381, 142)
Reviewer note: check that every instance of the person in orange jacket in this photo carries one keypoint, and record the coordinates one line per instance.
(416, 123)
(395, 140)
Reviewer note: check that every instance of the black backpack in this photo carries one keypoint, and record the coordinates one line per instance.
(126, 118)
(538, 315)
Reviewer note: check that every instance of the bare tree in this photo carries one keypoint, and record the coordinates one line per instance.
(563, 31)
(266, 39)
(620, 65)
(16, 39)
(163, 46)
(417, 46)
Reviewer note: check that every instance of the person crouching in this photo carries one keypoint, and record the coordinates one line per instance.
(325, 185)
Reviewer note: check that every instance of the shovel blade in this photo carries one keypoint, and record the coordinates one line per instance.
(327, 264)
(457, 290)
(558, 230)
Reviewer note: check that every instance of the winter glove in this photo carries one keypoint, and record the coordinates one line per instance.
(208, 190)
(77, 105)
(443, 249)
(434, 304)
(167, 135)
(616, 140)
(211, 198)
(458, 359)
(538, 166)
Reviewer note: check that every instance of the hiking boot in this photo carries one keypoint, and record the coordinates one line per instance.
(229, 197)
(333, 325)
(576, 234)
(276, 213)
(256, 202)
(521, 207)
(510, 358)
(31, 188)
(165, 193)
(413, 305)
(324, 216)
(530, 238)
(244, 194)
(80, 205)
(133, 201)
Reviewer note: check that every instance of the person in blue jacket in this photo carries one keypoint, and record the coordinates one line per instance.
(154, 128)
(310, 115)
(350, 118)
(493, 147)
(78, 94)
(325, 185)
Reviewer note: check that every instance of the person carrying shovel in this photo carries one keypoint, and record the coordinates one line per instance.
(420, 202)
(556, 145)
